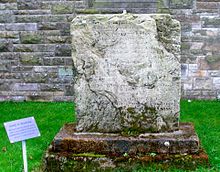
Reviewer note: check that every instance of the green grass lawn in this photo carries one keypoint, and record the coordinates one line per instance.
(51, 116)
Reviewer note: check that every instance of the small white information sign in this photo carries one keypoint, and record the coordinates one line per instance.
(22, 129)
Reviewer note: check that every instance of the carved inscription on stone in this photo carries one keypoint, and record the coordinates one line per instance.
(125, 78)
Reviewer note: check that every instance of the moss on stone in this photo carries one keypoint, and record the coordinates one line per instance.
(150, 110)
(8, 1)
(166, 28)
(162, 7)
(30, 39)
(185, 46)
(87, 11)
(29, 59)
(126, 162)
(88, 155)
(213, 59)
(62, 9)
(131, 110)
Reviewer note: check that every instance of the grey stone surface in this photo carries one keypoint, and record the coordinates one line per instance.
(127, 72)
(181, 4)
(50, 24)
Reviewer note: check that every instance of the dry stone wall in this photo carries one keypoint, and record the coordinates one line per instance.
(35, 51)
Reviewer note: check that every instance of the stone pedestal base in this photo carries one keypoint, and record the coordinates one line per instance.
(72, 151)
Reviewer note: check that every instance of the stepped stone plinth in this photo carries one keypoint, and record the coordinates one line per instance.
(127, 95)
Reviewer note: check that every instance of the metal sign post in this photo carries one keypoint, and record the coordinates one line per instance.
(24, 152)
(21, 130)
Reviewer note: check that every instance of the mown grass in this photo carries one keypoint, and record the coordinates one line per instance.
(50, 117)
(206, 117)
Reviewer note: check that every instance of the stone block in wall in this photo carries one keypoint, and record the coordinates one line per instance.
(54, 61)
(57, 39)
(68, 61)
(202, 83)
(64, 72)
(10, 41)
(181, 4)
(20, 27)
(62, 27)
(214, 73)
(216, 82)
(186, 28)
(192, 93)
(8, 1)
(32, 12)
(198, 38)
(52, 87)
(213, 61)
(194, 71)
(63, 50)
(9, 35)
(163, 6)
(3, 67)
(185, 46)
(22, 69)
(203, 64)
(196, 45)
(41, 97)
(25, 87)
(6, 16)
(47, 26)
(193, 67)
(188, 86)
(8, 6)
(12, 98)
(211, 22)
(45, 69)
(9, 56)
(36, 47)
(63, 98)
(30, 38)
(208, 5)
(212, 45)
(40, 38)
(6, 46)
(30, 59)
(63, 8)
(29, 5)
(34, 5)
(124, 5)
(40, 18)
(190, 18)
(35, 77)
(4, 86)
(187, 57)
(209, 94)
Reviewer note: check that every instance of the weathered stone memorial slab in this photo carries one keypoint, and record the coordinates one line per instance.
(127, 96)
(127, 72)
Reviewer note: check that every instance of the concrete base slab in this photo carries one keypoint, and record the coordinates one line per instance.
(71, 151)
